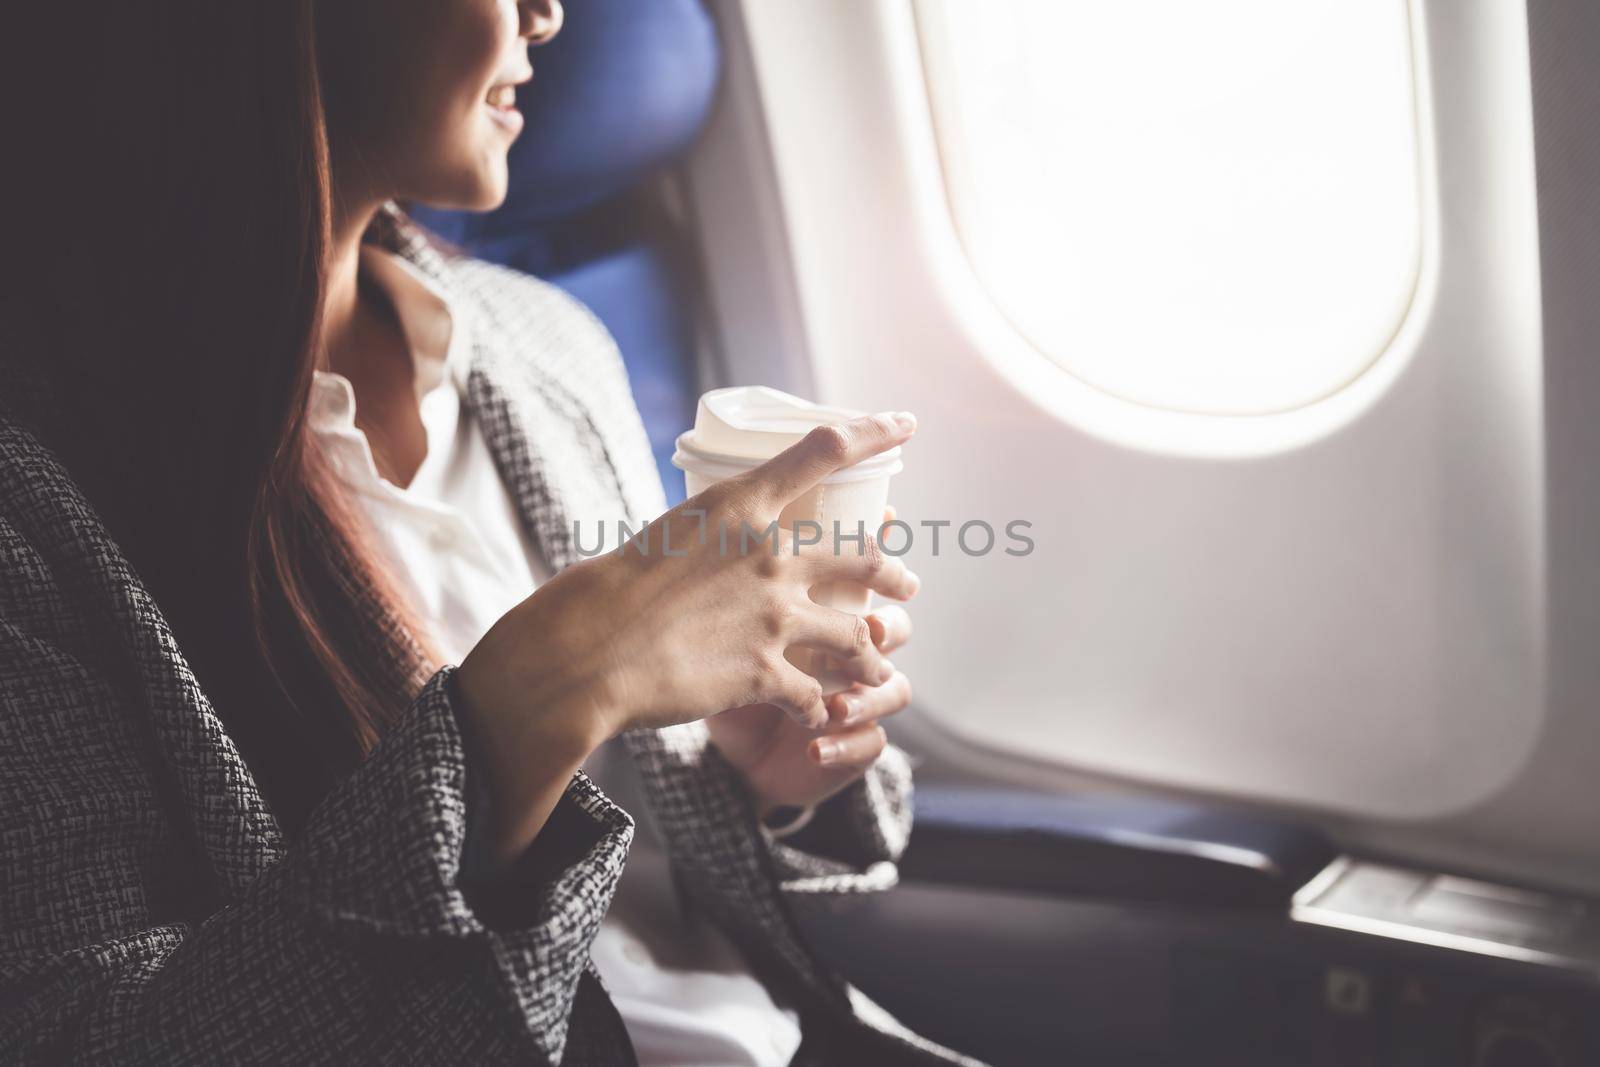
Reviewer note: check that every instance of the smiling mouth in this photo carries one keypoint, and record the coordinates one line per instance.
(503, 95)
(501, 100)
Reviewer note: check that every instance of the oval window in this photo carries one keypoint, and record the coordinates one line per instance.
(1208, 207)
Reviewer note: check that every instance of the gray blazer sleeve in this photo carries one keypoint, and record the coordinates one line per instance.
(856, 837)
(860, 832)
(356, 946)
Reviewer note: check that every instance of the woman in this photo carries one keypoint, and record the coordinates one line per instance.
(268, 463)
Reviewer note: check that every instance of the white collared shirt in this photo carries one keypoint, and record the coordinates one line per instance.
(453, 535)
(457, 545)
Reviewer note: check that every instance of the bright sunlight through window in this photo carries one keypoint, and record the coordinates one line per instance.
(1203, 205)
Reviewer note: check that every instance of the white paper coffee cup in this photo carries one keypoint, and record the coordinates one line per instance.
(741, 428)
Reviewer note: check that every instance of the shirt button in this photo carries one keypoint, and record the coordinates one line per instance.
(634, 953)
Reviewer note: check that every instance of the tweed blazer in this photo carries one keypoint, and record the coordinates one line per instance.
(152, 911)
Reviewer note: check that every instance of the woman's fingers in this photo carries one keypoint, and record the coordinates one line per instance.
(825, 450)
(870, 566)
(861, 703)
(852, 751)
(890, 626)
(845, 637)
(798, 695)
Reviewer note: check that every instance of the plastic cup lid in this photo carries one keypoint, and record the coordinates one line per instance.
(742, 427)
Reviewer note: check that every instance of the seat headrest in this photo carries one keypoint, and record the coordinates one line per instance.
(624, 88)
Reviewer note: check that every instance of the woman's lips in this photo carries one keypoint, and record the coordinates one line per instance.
(509, 120)
(501, 101)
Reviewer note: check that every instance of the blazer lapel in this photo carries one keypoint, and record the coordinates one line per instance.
(548, 446)
(513, 436)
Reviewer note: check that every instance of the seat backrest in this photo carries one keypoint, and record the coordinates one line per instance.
(618, 95)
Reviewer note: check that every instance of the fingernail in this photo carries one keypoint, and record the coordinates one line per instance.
(849, 706)
(880, 633)
(913, 582)
(827, 751)
(886, 672)
(905, 420)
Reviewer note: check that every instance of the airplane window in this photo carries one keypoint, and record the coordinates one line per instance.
(1204, 207)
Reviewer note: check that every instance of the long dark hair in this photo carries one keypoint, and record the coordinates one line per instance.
(171, 234)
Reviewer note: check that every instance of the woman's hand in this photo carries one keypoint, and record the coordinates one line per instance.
(786, 764)
(675, 626)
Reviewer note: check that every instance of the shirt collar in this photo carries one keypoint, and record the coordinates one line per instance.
(434, 328)
(433, 325)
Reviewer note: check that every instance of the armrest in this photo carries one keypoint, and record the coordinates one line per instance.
(1120, 848)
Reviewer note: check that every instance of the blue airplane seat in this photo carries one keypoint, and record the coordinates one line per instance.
(619, 94)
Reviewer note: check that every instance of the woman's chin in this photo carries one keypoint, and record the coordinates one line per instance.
(494, 181)
(482, 189)
(492, 197)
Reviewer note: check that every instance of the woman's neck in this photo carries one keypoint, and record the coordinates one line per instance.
(341, 300)
(362, 340)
